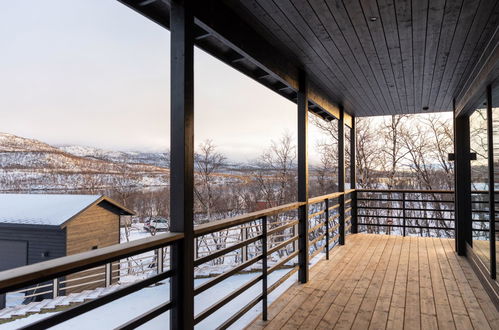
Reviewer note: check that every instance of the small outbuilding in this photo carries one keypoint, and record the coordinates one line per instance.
(39, 227)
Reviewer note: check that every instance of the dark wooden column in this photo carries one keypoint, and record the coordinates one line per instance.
(462, 182)
(353, 177)
(341, 174)
(182, 163)
(492, 215)
(303, 247)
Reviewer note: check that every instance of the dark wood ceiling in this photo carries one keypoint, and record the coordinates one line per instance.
(379, 57)
(372, 57)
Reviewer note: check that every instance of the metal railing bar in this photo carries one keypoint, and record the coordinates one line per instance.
(316, 252)
(37, 294)
(283, 279)
(226, 250)
(206, 285)
(81, 284)
(407, 226)
(147, 316)
(216, 306)
(335, 227)
(401, 200)
(277, 229)
(334, 207)
(32, 288)
(318, 238)
(281, 262)
(282, 245)
(240, 313)
(82, 278)
(317, 226)
(92, 304)
(313, 215)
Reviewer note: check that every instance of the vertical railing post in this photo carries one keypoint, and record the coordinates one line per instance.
(55, 288)
(302, 101)
(462, 179)
(159, 260)
(341, 175)
(326, 225)
(244, 249)
(353, 176)
(108, 273)
(182, 162)
(264, 268)
(403, 214)
(491, 179)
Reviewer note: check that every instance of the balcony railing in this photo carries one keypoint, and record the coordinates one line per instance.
(268, 238)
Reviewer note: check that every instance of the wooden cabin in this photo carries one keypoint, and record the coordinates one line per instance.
(39, 227)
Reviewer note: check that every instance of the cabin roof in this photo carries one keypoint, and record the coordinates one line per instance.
(51, 209)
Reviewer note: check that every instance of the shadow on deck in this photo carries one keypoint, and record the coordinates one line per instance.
(386, 282)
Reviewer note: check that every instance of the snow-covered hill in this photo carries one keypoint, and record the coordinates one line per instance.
(160, 159)
(28, 164)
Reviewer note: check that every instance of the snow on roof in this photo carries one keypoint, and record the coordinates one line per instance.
(42, 209)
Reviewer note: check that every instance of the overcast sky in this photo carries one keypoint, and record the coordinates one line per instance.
(95, 73)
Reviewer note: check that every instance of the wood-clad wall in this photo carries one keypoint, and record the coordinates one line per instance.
(95, 227)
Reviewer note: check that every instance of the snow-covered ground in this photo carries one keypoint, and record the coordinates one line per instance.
(124, 309)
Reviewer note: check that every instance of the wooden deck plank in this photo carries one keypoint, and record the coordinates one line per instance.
(280, 311)
(427, 302)
(351, 309)
(387, 282)
(366, 309)
(382, 307)
(480, 308)
(349, 283)
(340, 271)
(412, 319)
(442, 304)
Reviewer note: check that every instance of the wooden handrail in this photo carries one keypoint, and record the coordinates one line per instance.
(218, 225)
(406, 191)
(23, 276)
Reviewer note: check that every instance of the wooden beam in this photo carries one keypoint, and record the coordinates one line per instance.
(182, 163)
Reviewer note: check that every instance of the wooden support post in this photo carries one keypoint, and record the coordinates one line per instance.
(341, 175)
(462, 172)
(490, 156)
(182, 163)
(462, 180)
(264, 268)
(303, 242)
(353, 177)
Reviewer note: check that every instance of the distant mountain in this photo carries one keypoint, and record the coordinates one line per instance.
(28, 164)
(160, 159)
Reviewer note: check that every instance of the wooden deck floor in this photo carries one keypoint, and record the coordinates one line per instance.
(386, 282)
